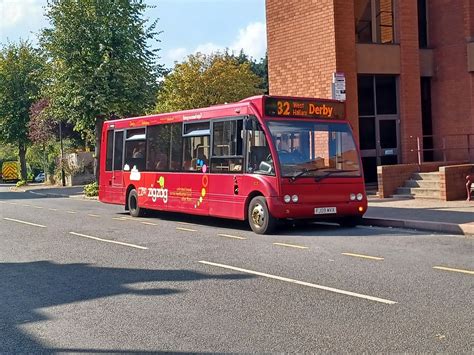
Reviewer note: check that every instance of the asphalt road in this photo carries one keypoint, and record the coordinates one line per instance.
(80, 276)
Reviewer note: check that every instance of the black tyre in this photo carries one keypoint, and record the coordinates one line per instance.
(350, 221)
(133, 207)
(260, 219)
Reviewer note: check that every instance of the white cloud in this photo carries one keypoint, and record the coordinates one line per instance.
(208, 48)
(14, 12)
(176, 54)
(252, 39)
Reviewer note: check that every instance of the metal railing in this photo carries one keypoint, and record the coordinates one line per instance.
(443, 149)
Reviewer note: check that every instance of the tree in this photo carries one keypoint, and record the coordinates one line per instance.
(259, 68)
(41, 127)
(101, 62)
(205, 80)
(21, 68)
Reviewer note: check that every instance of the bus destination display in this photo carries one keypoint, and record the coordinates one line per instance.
(281, 107)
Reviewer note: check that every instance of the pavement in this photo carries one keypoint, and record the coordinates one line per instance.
(455, 217)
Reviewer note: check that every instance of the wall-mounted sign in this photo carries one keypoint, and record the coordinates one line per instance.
(339, 86)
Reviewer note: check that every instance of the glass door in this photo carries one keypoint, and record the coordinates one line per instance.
(387, 141)
(378, 123)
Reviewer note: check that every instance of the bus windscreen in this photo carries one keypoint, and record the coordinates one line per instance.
(313, 149)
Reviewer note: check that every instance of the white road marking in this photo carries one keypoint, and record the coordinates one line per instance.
(93, 215)
(39, 207)
(108, 241)
(231, 236)
(186, 229)
(302, 283)
(291, 245)
(186, 223)
(71, 212)
(119, 218)
(363, 256)
(24, 222)
(469, 272)
(53, 209)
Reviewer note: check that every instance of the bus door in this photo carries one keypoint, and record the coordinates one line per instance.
(194, 186)
(117, 173)
(225, 188)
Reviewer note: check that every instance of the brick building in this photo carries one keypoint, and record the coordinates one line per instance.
(408, 64)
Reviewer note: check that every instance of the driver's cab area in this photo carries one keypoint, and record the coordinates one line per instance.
(259, 157)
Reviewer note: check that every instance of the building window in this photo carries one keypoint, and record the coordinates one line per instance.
(374, 21)
(422, 24)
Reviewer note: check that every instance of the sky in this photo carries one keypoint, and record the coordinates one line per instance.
(188, 26)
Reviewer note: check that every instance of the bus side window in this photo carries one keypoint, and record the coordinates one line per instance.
(135, 149)
(110, 150)
(227, 155)
(259, 158)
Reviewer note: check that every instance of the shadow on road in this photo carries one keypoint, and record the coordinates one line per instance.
(26, 288)
(306, 228)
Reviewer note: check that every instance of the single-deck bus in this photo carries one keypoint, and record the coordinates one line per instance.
(262, 159)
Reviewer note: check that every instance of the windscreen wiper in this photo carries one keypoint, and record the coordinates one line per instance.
(302, 172)
(332, 172)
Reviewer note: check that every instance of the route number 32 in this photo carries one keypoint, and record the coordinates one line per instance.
(283, 108)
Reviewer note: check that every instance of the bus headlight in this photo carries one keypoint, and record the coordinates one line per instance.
(360, 197)
(352, 197)
(294, 198)
(287, 198)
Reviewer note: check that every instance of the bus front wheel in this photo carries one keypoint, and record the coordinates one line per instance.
(260, 219)
(134, 209)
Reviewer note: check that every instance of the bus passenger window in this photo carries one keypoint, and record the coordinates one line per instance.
(135, 154)
(227, 156)
(196, 152)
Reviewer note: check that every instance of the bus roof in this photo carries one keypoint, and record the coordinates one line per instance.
(261, 105)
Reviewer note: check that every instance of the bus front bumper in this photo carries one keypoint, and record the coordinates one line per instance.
(329, 210)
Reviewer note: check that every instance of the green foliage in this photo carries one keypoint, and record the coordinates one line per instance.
(258, 68)
(91, 190)
(7, 153)
(21, 69)
(47, 157)
(21, 183)
(205, 80)
(102, 63)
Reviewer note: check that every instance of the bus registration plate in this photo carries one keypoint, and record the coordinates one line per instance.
(325, 210)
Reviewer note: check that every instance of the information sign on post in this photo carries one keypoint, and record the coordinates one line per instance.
(339, 86)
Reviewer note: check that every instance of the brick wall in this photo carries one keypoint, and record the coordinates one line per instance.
(452, 178)
(452, 84)
(390, 177)
(301, 47)
(453, 181)
(346, 57)
(409, 88)
(307, 42)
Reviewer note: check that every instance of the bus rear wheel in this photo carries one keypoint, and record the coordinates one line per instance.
(260, 219)
(133, 207)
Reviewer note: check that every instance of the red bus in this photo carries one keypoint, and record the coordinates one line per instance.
(262, 159)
